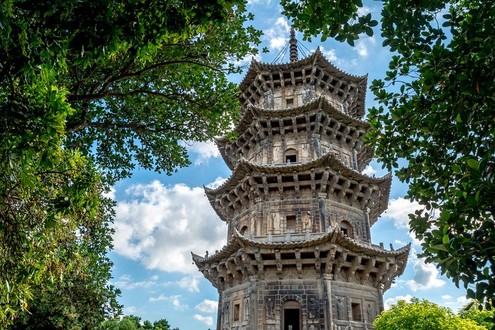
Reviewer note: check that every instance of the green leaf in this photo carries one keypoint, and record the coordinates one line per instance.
(472, 163)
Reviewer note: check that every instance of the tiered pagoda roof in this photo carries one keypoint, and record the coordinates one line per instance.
(257, 123)
(314, 70)
(325, 251)
(326, 174)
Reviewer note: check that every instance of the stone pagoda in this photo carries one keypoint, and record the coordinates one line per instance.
(299, 209)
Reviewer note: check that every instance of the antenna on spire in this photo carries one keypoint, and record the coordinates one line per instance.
(293, 45)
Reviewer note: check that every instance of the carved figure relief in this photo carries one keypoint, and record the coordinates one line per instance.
(369, 314)
(341, 314)
(226, 314)
(268, 101)
(270, 308)
(313, 308)
(246, 309)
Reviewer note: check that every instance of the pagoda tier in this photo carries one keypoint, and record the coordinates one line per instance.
(309, 130)
(283, 85)
(298, 207)
(303, 184)
(296, 257)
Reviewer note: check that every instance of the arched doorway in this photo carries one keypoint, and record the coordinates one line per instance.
(291, 316)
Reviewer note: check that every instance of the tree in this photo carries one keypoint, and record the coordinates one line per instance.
(422, 315)
(436, 116)
(134, 322)
(138, 76)
(54, 238)
(91, 87)
(475, 311)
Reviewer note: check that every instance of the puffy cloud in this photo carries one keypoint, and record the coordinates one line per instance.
(426, 276)
(278, 34)
(454, 304)
(160, 225)
(364, 10)
(175, 300)
(330, 55)
(191, 283)
(368, 170)
(207, 306)
(208, 320)
(399, 209)
(217, 183)
(259, 2)
(128, 310)
(203, 151)
(391, 301)
(363, 46)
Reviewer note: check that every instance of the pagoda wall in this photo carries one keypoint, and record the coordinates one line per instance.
(280, 149)
(323, 304)
(306, 214)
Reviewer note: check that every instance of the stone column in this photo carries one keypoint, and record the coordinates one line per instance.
(327, 280)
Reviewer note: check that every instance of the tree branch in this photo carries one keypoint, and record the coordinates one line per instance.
(102, 93)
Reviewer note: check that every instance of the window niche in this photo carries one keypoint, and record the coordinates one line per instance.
(237, 311)
(356, 311)
(289, 102)
(291, 156)
(291, 223)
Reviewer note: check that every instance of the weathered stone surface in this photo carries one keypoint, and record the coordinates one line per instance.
(299, 253)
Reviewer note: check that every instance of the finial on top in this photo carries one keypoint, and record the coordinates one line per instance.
(293, 45)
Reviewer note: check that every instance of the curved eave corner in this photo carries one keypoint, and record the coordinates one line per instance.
(382, 205)
(361, 81)
(210, 194)
(221, 144)
(250, 74)
(227, 250)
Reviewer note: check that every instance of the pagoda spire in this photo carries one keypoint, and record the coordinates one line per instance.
(293, 45)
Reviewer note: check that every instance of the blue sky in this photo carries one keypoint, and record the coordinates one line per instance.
(160, 219)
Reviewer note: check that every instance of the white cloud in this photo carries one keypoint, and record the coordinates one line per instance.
(217, 183)
(391, 301)
(426, 276)
(454, 304)
(363, 45)
(246, 60)
(110, 193)
(365, 10)
(126, 282)
(278, 34)
(203, 150)
(191, 283)
(207, 306)
(259, 2)
(175, 300)
(330, 55)
(160, 225)
(128, 310)
(399, 209)
(368, 170)
(208, 320)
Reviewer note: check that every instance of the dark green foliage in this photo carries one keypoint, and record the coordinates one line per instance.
(132, 322)
(329, 18)
(422, 315)
(436, 114)
(89, 90)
